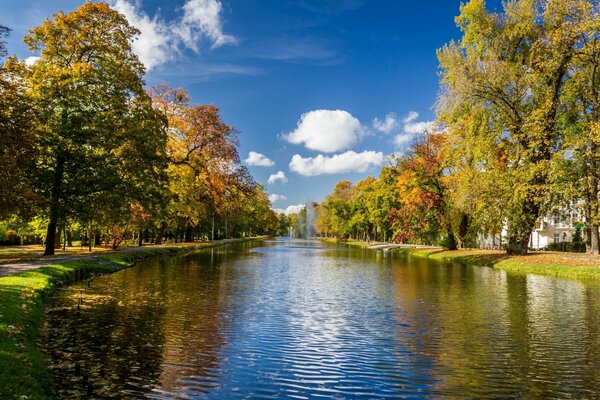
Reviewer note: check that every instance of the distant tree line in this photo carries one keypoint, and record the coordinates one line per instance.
(85, 149)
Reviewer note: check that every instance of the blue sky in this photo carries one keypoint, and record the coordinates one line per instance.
(324, 89)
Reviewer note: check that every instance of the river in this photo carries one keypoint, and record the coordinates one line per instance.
(296, 319)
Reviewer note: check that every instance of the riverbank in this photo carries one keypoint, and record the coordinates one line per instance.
(553, 264)
(23, 296)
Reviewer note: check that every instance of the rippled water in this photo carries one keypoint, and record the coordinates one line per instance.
(297, 320)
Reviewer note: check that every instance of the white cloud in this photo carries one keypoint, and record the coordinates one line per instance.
(349, 161)
(202, 17)
(273, 198)
(326, 130)
(414, 127)
(419, 127)
(294, 209)
(412, 115)
(278, 177)
(387, 125)
(160, 42)
(402, 139)
(258, 160)
(29, 61)
(411, 128)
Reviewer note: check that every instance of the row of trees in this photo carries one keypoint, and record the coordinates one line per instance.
(83, 144)
(520, 115)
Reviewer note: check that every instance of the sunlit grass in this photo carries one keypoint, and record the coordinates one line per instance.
(22, 369)
(555, 264)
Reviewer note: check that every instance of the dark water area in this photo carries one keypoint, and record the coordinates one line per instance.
(294, 319)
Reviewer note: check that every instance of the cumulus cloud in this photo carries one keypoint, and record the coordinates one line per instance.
(389, 124)
(294, 209)
(411, 127)
(258, 160)
(402, 139)
(278, 177)
(29, 61)
(160, 41)
(349, 161)
(326, 130)
(273, 198)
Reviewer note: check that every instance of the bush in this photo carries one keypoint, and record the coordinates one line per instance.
(571, 247)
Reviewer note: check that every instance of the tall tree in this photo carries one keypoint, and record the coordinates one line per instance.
(95, 138)
(17, 139)
(425, 205)
(579, 176)
(512, 66)
(205, 175)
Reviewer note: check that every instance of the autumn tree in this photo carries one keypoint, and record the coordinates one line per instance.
(512, 68)
(99, 137)
(206, 178)
(17, 139)
(578, 164)
(425, 211)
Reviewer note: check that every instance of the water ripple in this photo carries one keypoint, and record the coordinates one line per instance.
(294, 320)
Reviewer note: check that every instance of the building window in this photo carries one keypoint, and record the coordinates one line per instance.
(557, 238)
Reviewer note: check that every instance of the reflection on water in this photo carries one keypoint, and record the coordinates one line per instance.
(295, 319)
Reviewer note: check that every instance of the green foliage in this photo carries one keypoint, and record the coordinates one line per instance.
(503, 85)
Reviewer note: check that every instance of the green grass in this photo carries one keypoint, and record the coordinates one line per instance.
(349, 242)
(548, 264)
(579, 272)
(23, 373)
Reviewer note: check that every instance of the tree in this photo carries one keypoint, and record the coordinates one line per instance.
(100, 140)
(512, 68)
(425, 206)
(578, 164)
(205, 175)
(17, 139)
(338, 215)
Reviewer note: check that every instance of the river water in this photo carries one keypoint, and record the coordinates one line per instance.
(295, 319)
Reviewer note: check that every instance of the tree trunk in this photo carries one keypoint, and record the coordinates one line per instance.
(54, 206)
(160, 233)
(69, 238)
(451, 241)
(188, 233)
(59, 232)
(520, 226)
(595, 239)
(140, 239)
(212, 234)
(463, 230)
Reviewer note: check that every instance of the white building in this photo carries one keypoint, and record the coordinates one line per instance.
(555, 228)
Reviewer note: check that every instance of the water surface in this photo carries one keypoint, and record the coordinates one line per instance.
(294, 319)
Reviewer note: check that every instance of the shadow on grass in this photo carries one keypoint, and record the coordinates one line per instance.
(23, 373)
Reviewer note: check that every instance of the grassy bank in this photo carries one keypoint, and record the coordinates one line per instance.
(349, 242)
(554, 264)
(23, 373)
